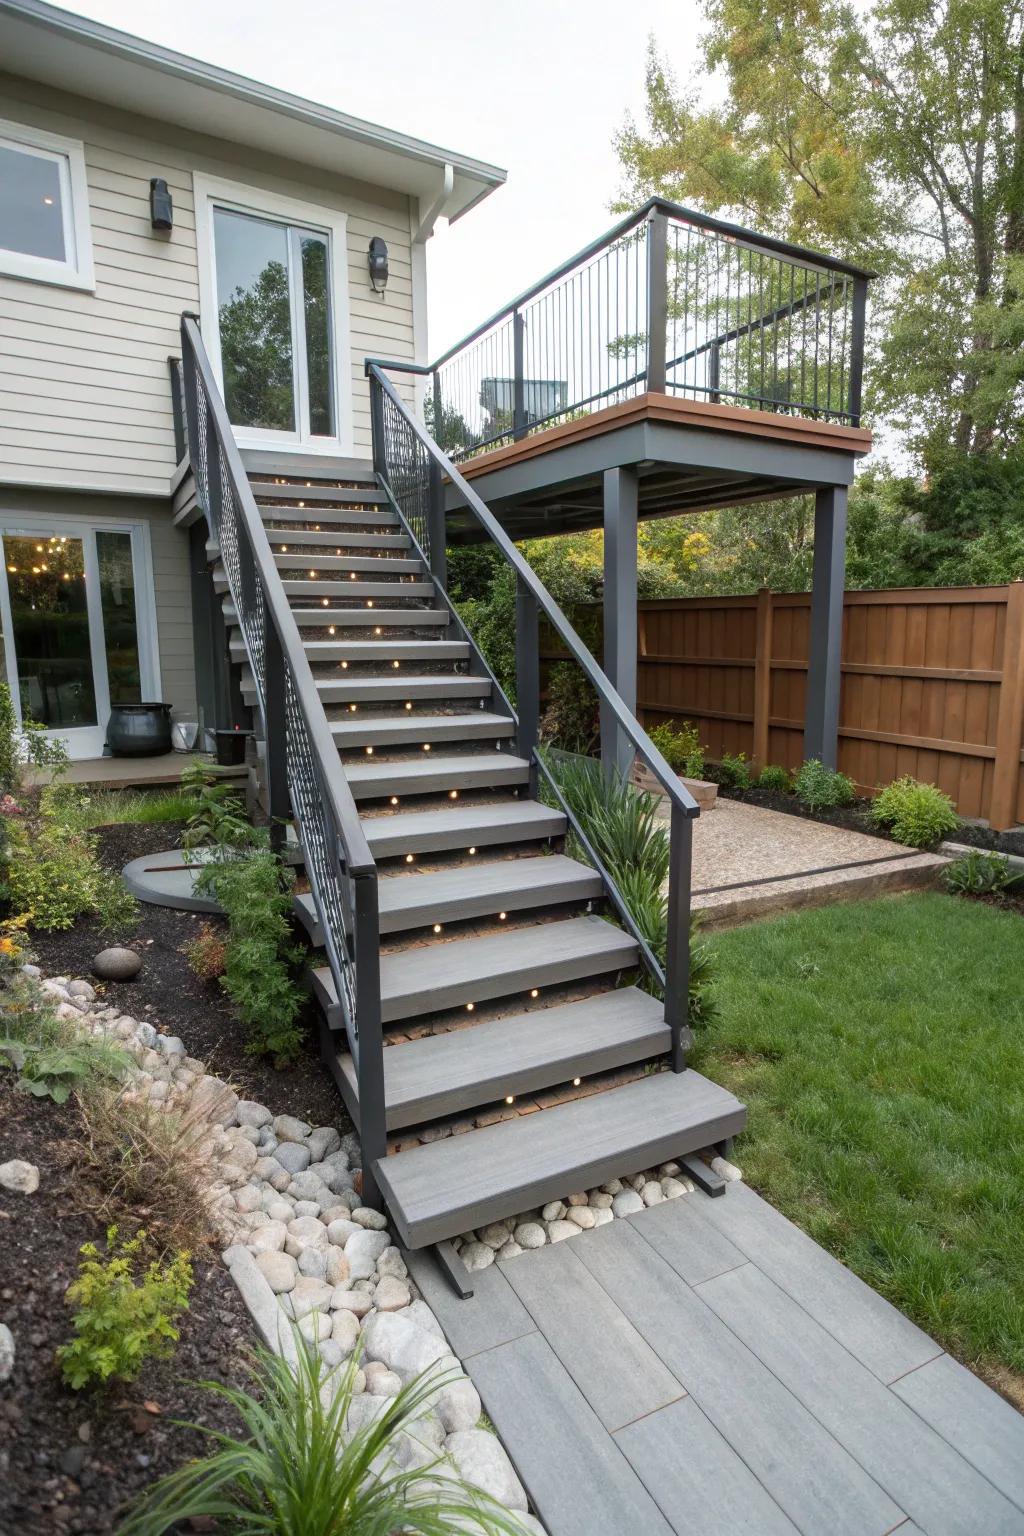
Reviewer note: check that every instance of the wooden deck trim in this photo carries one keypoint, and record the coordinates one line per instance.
(796, 430)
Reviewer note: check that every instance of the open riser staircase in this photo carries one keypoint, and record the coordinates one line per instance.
(521, 1053)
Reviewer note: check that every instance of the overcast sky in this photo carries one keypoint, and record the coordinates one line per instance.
(536, 86)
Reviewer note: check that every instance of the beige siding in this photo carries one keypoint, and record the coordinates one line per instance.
(84, 392)
(171, 581)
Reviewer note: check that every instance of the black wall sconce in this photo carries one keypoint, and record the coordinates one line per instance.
(161, 206)
(377, 261)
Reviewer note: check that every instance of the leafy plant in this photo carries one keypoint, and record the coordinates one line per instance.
(206, 953)
(978, 874)
(680, 746)
(732, 771)
(821, 788)
(24, 743)
(621, 823)
(51, 1058)
(571, 716)
(254, 890)
(55, 877)
(304, 1470)
(778, 781)
(123, 1318)
(217, 815)
(916, 814)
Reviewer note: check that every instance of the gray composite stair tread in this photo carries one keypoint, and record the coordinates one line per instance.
(331, 587)
(348, 688)
(444, 1074)
(400, 730)
(329, 518)
(384, 651)
(432, 976)
(380, 618)
(393, 565)
(333, 538)
(431, 773)
(461, 827)
(364, 491)
(449, 1186)
(471, 890)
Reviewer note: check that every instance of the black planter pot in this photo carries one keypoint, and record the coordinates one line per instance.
(231, 747)
(139, 730)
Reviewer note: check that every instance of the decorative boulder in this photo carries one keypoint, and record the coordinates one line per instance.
(117, 964)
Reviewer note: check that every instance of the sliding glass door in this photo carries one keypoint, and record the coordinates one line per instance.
(75, 641)
(275, 326)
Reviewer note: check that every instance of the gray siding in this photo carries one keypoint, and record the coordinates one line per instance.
(84, 395)
(169, 547)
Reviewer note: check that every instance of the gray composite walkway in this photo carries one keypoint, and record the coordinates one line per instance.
(705, 1369)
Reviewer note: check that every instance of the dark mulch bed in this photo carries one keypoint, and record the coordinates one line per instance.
(70, 1460)
(855, 818)
(170, 996)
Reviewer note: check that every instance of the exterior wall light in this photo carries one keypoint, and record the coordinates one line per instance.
(377, 261)
(161, 205)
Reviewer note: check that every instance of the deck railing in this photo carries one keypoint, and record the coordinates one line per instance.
(411, 467)
(667, 300)
(305, 778)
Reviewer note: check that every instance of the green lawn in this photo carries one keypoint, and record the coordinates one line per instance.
(880, 1049)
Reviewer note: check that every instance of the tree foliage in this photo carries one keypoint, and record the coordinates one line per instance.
(893, 136)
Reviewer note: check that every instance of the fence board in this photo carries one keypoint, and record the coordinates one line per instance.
(933, 684)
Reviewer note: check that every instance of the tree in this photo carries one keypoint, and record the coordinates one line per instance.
(894, 138)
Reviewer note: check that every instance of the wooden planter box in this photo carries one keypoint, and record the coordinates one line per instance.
(703, 791)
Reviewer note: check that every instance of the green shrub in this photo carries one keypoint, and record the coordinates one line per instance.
(622, 825)
(821, 788)
(916, 814)
(571, 715)
(24, 743)
(50, 1057)
(732, 771)
(123, 1318)
(54, 876)
(302, 1470)
(779, 781)
(217, 814)
(680, 746)
(978, 874)
(254, 889)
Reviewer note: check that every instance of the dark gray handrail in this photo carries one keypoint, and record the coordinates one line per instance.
(800, 253)
(358, 858)
(623, 717)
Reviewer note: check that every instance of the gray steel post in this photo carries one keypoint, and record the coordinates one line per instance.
(858, 321)
(373, 1133)
(824, 669)
(527, 671)
(620, 561)
(657, 300)
(275, 738)
(518, 377)
(677, 957)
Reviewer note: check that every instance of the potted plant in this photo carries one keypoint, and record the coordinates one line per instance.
(680, 746)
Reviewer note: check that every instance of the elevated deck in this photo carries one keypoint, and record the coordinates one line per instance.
(689, 456)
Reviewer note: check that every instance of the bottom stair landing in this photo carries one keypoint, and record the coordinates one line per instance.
(443, 1188)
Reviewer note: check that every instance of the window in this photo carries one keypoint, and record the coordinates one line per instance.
(44, 208)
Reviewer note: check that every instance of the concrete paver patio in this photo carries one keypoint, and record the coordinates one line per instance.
(704, 1368)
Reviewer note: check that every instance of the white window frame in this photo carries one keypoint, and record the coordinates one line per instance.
(76, 270)
(87, 741)
(212, 192)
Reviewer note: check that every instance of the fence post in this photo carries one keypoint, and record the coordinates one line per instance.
(519, 422)
(762, 676)
(1010, 721)
(657, 300)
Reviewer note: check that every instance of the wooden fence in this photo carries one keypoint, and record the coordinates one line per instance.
(933, 684)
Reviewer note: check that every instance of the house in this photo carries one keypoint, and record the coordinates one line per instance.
(136, 183)
(218, 488)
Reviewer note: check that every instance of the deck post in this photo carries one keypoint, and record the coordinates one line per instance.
(519, 417)
(824, 661)
(620, 617)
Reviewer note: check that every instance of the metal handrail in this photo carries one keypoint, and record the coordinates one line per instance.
(798, 253)
(305, 775)
(621, 714)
